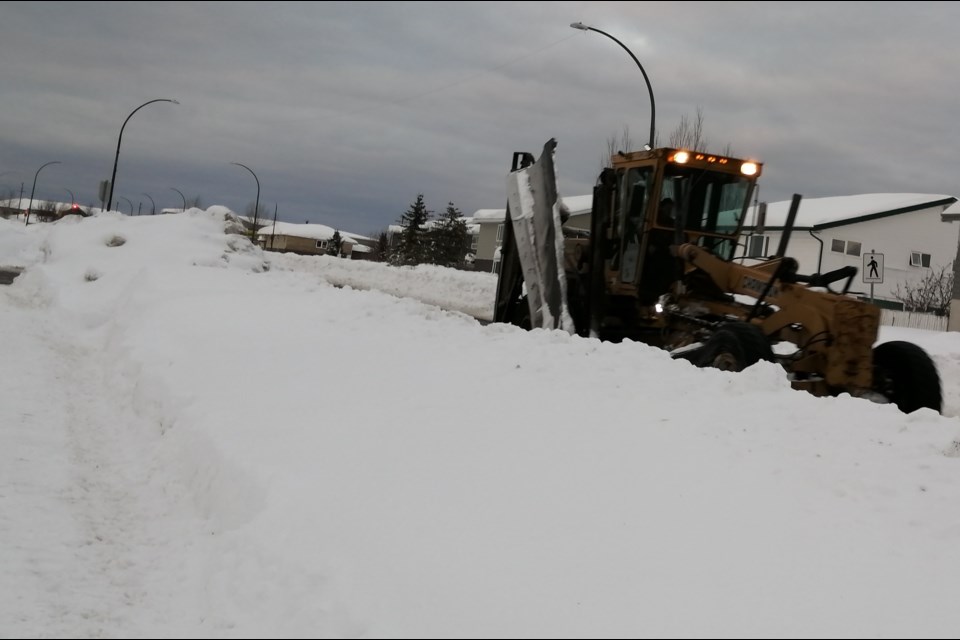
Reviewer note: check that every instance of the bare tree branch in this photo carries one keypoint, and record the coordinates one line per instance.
(931, 295)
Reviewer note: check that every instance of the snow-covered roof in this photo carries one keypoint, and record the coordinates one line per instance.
(952, 213)
(578, 204)
(839, 210)
(489, 215)
(473, 227)
(24, 203)
(575, 204)
(311, 231)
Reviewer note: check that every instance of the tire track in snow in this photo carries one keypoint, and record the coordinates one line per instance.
(83, 525)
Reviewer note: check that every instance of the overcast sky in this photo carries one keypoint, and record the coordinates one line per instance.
(346, 111)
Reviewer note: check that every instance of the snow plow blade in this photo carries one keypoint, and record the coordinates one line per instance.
(532, 251)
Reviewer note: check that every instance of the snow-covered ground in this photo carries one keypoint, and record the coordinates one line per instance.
(202, 440)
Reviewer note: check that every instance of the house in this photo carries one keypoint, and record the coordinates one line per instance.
(40, 210)
(313, 239)
(952, 214)
(489, 237)
(907, 229)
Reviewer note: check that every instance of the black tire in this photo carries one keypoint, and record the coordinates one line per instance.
(521, 314)
(905, 375)
(755, 345)
(734, 347)
(576, 304)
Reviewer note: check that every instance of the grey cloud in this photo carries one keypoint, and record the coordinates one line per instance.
(346, 111)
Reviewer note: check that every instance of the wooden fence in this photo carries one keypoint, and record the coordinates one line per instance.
(913, 320)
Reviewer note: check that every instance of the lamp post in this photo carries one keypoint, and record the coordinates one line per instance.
(34, 189)
(128, 202)
(72, 199)
(183, 197)
(653, 106)
(256, 206)
(153, 211)
(113, 177)
(273, 230)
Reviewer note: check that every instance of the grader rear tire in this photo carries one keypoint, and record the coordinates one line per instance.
(906, 376)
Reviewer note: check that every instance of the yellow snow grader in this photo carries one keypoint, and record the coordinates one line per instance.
(660, 264)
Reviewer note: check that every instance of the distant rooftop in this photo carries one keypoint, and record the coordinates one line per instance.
(827, 212)
(575, 204)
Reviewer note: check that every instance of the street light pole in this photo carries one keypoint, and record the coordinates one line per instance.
(128, 202)
(116, 158)
(273, 230)
(256, 206)
(153, 211)
(34, 189)
(73, 200)
(653, 106)
(182, 196)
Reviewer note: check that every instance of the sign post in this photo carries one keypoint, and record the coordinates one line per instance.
(102, 192)
(872, 270)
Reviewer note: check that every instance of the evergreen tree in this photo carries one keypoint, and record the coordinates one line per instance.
(336, 244)
(382, 251)
(413, 245)
(449, 240)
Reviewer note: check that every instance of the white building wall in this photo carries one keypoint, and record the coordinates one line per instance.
(894, 236)
(487, 240)
(802, 248)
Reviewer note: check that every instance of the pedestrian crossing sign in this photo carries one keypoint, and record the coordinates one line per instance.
(873, 268)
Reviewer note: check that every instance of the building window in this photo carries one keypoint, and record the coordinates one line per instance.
(499, 234)
(321, 244)
(473, 242)
(757, 246)
(918, 259)
(848, 247)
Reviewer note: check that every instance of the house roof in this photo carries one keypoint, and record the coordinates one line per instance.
(823, 213)
(311, 231)
(952, 214)
(576, 205)
(472, 227)
(489, 215)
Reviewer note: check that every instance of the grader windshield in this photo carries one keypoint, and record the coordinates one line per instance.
(665, 189)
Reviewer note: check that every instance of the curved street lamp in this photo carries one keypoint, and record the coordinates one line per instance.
(128, 202)
(153, 211)
(113, 177)
(182, 196)
(73, 200)
(34, 189)
(653, 106)
(256, 206)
